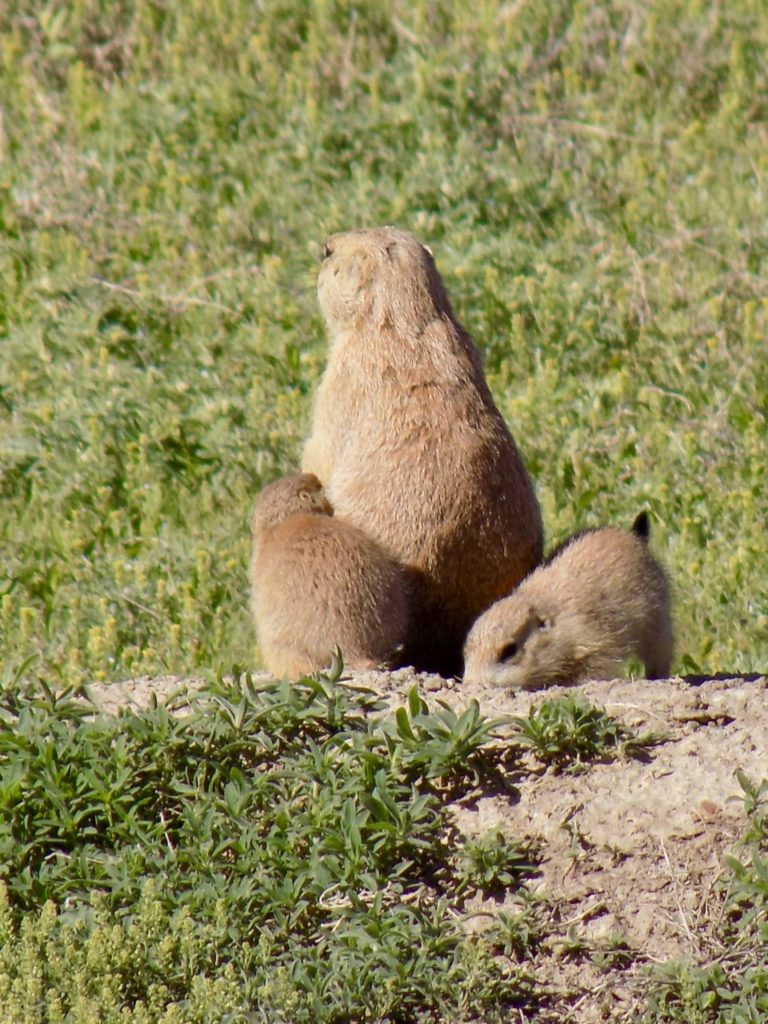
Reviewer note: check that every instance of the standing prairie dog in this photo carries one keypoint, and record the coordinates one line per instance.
(409, 443)
(600, 598)
(318, 582)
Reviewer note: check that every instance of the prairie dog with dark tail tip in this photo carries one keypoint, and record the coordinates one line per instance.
(598, 599)
(318, 583)
(409, 443)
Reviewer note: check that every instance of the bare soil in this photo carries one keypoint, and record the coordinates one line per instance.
(632, 851)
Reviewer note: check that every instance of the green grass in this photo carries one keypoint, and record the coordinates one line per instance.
(590, 178)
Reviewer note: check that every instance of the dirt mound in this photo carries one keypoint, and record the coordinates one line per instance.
(631, 850)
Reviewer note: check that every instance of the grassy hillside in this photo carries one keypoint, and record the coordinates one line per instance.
(591, 178)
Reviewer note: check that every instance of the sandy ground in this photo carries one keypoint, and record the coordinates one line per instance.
(632, 850)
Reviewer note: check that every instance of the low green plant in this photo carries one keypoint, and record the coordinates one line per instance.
(153, 965)
(612, 952)
(568, 732)
(733, 989)
(517, 932)
(452, 749)
(748, 886)
(755, 797)
(278, 854)
(494, 863)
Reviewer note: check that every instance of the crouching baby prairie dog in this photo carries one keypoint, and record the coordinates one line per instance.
(600, 598)
(409, 443)
(318, 582)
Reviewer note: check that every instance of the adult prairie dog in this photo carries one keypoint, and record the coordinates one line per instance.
(318, 582)
(409, 443)
(600, 598)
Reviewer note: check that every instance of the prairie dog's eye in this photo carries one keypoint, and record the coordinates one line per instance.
(327, 250)
(508, 651)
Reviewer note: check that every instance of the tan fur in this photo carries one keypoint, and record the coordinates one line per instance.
(408, 441)
(318, 582)
(602, 598)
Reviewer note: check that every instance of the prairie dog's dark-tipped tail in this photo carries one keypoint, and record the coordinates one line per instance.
(642, 526)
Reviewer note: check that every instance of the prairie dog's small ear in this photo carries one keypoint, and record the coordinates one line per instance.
(642, 526)
(536, 621)
(427, 250)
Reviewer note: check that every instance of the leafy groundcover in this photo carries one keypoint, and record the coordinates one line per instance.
(273, 853)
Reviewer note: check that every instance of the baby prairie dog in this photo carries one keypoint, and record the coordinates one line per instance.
(409, 443)
(318, 582)
(598, 599)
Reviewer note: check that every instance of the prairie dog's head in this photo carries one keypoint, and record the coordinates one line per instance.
(296, 494)
(382, 277)
(517, 645)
